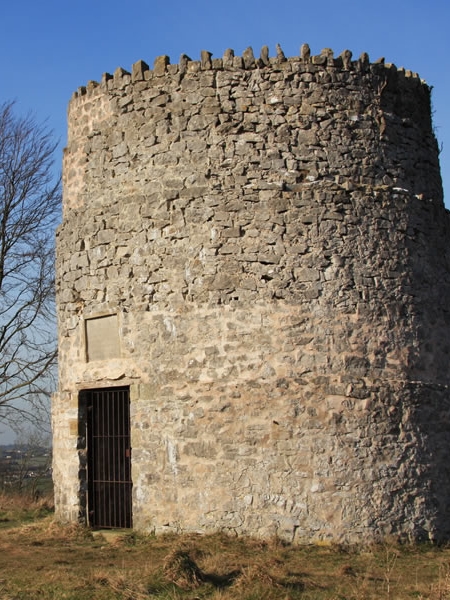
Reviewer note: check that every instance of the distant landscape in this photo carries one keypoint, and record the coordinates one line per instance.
(25, 468)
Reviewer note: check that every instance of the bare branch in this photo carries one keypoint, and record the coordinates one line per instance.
(29, 210)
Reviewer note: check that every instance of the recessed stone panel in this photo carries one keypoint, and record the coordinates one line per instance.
(102, 338)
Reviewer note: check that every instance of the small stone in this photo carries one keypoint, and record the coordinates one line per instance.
(280, 54)
(160, 65)
(305, 53)
(206, 59)
(248, 58)
(346, 59)
(264, 55)
(228, 58)
(137, 73)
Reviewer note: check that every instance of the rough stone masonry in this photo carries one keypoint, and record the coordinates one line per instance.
(258, 250)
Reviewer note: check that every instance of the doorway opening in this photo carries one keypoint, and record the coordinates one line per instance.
(106, 416)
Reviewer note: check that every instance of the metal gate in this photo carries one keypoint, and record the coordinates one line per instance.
(108, 457)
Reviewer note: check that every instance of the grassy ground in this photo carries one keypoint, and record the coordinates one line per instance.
(42, 560)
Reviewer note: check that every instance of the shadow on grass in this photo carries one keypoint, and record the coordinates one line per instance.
(221, 581)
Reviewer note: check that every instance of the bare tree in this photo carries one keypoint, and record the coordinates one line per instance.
(29, 209)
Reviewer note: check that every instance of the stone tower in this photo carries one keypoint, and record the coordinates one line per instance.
(252, 284)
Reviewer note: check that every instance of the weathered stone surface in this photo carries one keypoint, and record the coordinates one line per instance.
(272, 238)
(160, 65)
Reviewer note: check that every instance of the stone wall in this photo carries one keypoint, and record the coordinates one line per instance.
(270, 240)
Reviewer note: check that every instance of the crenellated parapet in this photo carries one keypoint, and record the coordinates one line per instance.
(305, 94)
(304, 63)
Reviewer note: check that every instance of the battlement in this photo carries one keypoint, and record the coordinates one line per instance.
(304, 63)
(220, 97)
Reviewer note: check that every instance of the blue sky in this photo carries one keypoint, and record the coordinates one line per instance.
(51, 47)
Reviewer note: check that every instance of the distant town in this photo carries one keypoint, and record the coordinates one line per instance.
(25, 468)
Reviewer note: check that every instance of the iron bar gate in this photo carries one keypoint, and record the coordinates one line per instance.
(109, 457)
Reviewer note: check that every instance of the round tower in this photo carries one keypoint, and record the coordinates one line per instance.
(254, 253)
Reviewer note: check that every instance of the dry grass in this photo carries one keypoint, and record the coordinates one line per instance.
(181, 569)
(40, 559)
(19, 508)
(440, 590)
